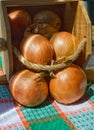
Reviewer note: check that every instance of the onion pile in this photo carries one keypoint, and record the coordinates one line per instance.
(41, 42)
(64, 44)
(69, 85)
(37, 49)
(19, 20)
(26, 90)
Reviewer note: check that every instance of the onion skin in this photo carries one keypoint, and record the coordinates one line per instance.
(69, 85)
(48, 17)
(19, 20)
(37, 49)
(26, 90)
(64, 44)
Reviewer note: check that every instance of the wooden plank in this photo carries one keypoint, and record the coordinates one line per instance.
(11, 3)
(82, 28)
(3, 80)
(93, 33)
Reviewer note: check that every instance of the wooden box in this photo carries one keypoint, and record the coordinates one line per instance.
(74, 19)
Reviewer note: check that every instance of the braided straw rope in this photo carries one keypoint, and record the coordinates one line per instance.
(48, 68)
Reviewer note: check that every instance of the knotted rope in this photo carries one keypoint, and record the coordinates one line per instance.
(49, 68)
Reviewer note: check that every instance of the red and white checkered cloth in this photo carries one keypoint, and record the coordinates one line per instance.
(49, 116)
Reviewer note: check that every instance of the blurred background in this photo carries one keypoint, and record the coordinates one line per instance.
(89, 4)
(0, 60)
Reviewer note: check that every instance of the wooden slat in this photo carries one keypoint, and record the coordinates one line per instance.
(82, 28)
(93, 33)
(3, 79)
(35, 2)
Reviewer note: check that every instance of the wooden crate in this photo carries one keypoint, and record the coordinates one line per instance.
(72, 13)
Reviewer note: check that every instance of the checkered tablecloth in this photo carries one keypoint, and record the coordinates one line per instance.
(49, 116)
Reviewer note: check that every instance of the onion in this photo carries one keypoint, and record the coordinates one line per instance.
(44, 29)
(26, 90)
(64, 44)
(36, 49)
(19, 20)
(69, 84)
(48, 17)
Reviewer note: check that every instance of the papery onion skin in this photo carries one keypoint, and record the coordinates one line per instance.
(19, 19)
(48, 17)
(64, 44)
(36, 49)
(26, 90)
(69, 85)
